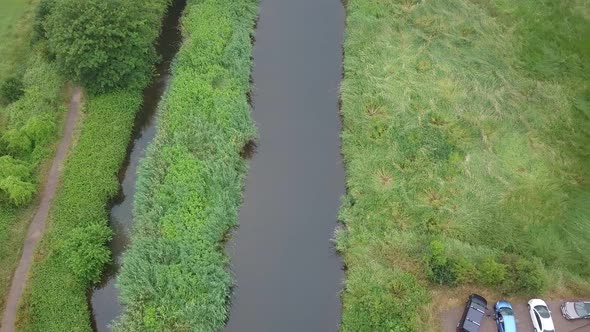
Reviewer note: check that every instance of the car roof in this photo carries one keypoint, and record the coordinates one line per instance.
(509, 324)
(536, 302)
(503, 304)
(478, 299)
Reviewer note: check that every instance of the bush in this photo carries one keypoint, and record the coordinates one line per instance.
(11, 89)
(465, 271)
(440, 269)
(19, 192)
(526, 277)
(492, 273)
(105, 45)
(17, 142)
(85, 251)
(43, 10)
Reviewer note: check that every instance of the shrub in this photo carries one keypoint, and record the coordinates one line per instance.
(492, 273)
(464, 271)
(440, 269)
(19, 192)
(104, 45)
(11, 89)
(43, 10)
(85, 251)
(525, 276)
(17, 142)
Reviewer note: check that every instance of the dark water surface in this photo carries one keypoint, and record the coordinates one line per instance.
(104, 300)
(287, 272)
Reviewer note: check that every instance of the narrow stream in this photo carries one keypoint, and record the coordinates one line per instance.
(104, 300)
(287, 272)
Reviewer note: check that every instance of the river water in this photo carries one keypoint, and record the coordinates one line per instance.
(104, 300)
(288, 275)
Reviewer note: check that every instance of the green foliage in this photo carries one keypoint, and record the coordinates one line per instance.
(73, 252)
(86, 252)
(465, 271)
(382, 299)
(526, 277)
(19, 192)
(27, 128)
(11, 89)
(467, 121)
(41, 13)
(105, 45)
(439, 268)
(492, 273)
(173, 276)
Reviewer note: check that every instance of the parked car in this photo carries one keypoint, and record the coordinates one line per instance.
(504, 317)
(541, 316)
(576, 310)
(473, 314)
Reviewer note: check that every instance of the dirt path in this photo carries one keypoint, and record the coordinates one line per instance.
(38, 224)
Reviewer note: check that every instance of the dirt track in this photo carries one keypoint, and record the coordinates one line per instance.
(37, 226)
(523, 319)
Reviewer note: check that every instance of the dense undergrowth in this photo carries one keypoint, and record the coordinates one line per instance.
(30, 115)
(174, 277)
(466, 140)
(73, 251)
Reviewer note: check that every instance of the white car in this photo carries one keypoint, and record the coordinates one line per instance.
(541, 316)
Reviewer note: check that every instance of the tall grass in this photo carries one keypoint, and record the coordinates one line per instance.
(465, 122)
(174, 277)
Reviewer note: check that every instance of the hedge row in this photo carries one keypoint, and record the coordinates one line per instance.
(174, 275)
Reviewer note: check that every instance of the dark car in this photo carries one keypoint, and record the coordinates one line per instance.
(576, 310)
(504, 317)
(473, 314)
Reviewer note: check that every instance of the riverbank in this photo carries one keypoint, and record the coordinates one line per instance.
(465, 141)
(189, 186)
(73, 251)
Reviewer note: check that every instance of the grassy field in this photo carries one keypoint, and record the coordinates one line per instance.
(467, 144)
(174, 275)
(14, 33)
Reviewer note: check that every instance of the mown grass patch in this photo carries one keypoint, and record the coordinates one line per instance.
(466, 140)
(174, 277)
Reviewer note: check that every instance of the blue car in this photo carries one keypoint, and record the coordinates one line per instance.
(504, 317)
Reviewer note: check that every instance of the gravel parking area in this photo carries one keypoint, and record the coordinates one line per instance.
(523, 319)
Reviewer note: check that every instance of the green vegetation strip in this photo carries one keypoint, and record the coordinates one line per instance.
(30, 116)
(174, 275)
(73, 251)
(466, 140)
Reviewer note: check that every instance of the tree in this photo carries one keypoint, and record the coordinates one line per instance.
(102, 44)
